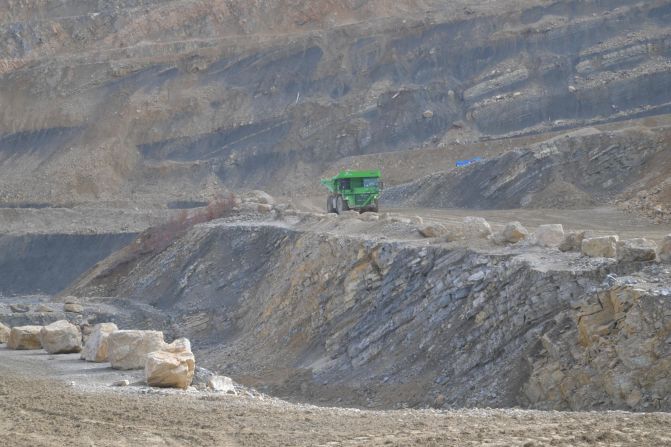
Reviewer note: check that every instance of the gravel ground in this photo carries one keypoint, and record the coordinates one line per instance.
(58, 400)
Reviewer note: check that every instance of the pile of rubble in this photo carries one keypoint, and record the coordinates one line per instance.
(166, 365)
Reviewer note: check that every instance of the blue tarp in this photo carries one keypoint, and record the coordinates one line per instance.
(462, 163)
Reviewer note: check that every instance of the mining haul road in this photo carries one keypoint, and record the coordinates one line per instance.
(48, 400)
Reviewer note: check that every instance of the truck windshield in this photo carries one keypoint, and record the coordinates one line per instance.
(371, 182)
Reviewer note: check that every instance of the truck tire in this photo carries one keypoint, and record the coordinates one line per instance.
(329, 204)
(341, 205)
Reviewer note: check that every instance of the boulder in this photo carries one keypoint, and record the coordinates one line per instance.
(177, 346)
(169, 369)
(664, 249)
(476, 228)
(550, 235)
(128, 349)
(222, 384)
(600, 247)
(25, 337)
(433, 230)
(61, 337)
(572, 241)
(514, 232)
(96, 348)
(4, 333)
(639, 249)
(73, 307)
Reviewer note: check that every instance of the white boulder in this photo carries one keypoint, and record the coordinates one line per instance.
(169, 369)
(96, 348)
(550, 235)
(25, 337)
(128, 349)
(600, 247)
(61, 337)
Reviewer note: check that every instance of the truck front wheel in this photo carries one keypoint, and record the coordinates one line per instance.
(341, 205)
(329, 204)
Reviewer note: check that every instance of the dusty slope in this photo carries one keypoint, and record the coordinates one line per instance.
(154, 101)
(40, 410)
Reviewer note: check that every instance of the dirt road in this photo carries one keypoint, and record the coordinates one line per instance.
(58, 400)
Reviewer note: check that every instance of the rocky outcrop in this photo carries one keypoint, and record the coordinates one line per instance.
(600, 247)
(96, 348)
(4, 333)
(25, 337)
(611, 351)
(636, 250)
(61, 337)
(128, 349)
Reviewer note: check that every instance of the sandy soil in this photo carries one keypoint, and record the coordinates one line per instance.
(59, 400)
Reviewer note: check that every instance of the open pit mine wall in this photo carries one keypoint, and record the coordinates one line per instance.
(46, 263)
(94, 103)
(381, 315)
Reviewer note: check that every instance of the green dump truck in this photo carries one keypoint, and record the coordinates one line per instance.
(353, 190)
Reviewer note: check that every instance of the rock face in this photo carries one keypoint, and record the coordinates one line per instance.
(514, 232)
(4, 333)
(664, 249)
(551, 235)
(96, 348)
(128, 349)
(61, 337)
(609, 351)
(600, 247)
(25, 337)
(632, 250)
(170, 369)
(476, 228)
